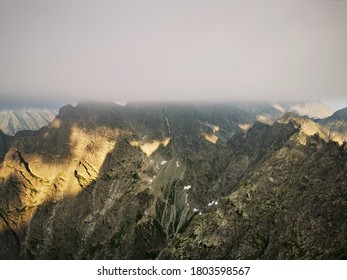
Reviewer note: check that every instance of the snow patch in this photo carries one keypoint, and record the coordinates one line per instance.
(177, 164)
(213, 202)
(163, 162)
(187, 187)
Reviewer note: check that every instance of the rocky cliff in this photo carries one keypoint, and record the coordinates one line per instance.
(336, 125)
(5, 144)
(104, 181)
(289, 204)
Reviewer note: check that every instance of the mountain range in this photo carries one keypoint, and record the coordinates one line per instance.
(175, 181)
(13, 120)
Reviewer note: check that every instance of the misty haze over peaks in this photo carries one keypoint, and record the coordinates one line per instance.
(60, 52)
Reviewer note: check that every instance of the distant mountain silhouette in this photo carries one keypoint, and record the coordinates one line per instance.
(14, 120)
(312, 108)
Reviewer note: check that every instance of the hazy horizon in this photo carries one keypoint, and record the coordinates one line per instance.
(335, 105)
(58, 52)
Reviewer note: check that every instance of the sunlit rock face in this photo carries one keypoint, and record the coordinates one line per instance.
(14, 120)
(104, 181)
(336, 126)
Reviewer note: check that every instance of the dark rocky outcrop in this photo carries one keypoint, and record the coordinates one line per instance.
(5, 144)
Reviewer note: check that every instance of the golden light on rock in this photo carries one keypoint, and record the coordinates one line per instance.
(56, 123)
(148, 148)
(211, 138)
(43, 178)
(215, 128)
(245, 126)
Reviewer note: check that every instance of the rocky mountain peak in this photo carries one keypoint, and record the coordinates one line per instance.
(336, 126)
(340, 115)
(306, 127)
(171, 181)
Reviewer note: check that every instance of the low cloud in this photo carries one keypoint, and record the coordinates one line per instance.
(63, 51)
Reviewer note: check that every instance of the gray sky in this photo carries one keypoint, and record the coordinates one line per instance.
(67, 50)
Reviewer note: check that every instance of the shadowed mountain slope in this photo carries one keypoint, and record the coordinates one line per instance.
(336, 125)
(5, 144)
